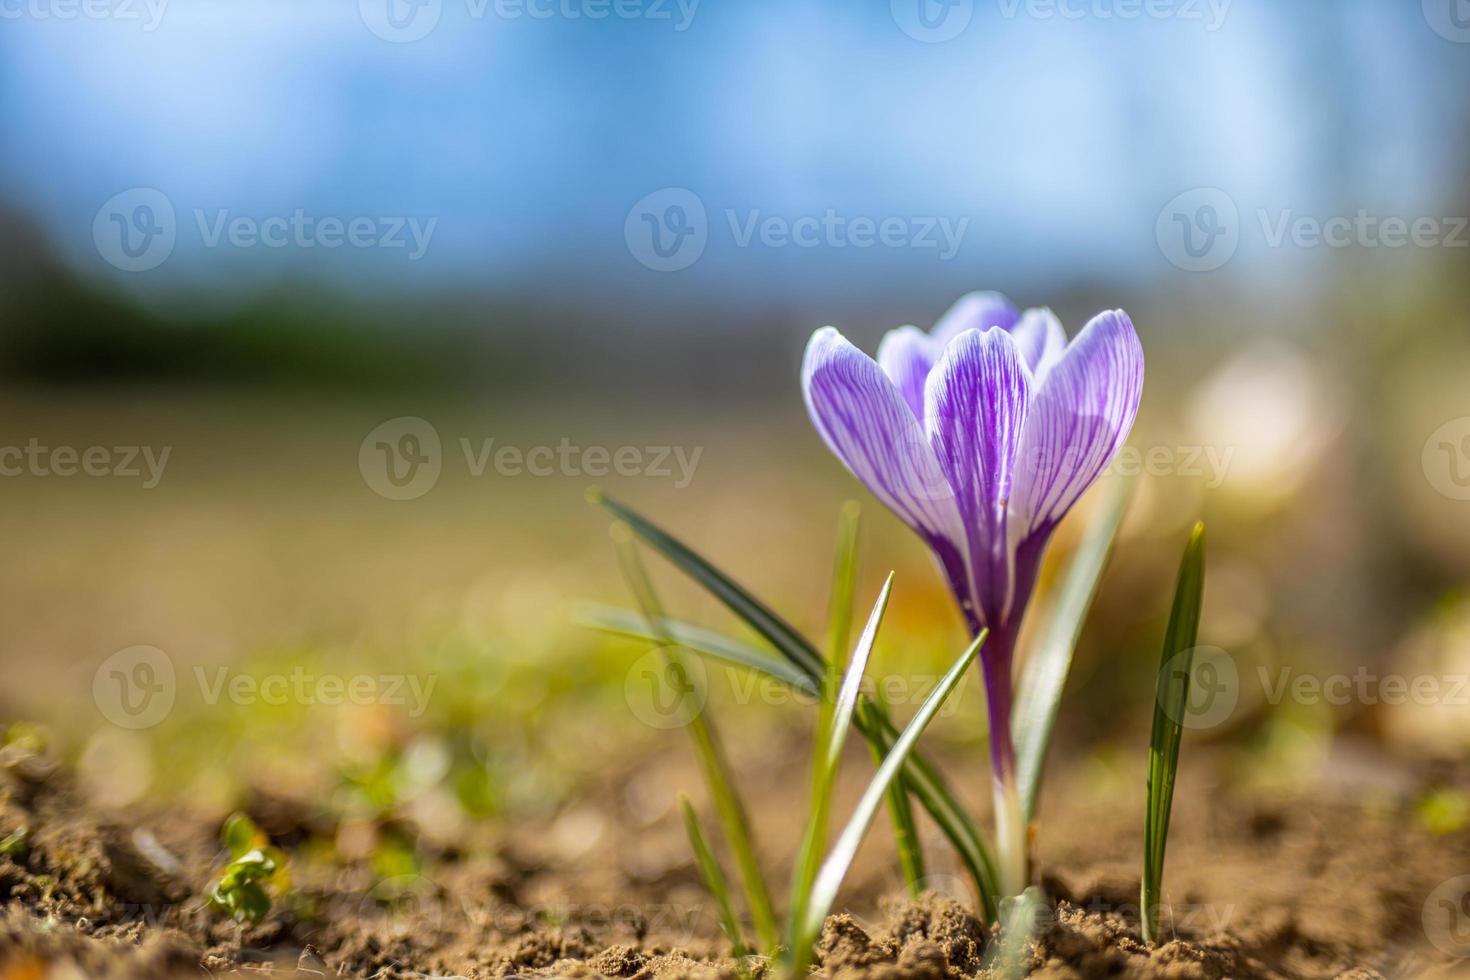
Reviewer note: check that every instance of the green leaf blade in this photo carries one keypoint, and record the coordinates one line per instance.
(635, 626)
(779, 633)
(1171, 704)
(714, 878)
(1039, 693)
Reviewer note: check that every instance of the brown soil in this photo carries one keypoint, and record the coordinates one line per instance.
(1299, 889)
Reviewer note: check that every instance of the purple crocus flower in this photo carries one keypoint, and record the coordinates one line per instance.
(981, 435)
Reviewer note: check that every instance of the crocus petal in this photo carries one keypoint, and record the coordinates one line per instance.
(1081, 415)
(906, 355)
(974, 311)
(976, 403)
(1040, 338)
(865, 421)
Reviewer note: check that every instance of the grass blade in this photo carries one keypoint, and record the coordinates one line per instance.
(922, 778)
(779, 633)
(1039, 694)
(834, 869)
(731, 811)
(827, 756)
(901, 814)
(714, 879)
(635, 626)
(844, 581)
(1170, 705)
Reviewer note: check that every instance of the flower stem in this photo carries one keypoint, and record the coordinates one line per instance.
(1010, 824)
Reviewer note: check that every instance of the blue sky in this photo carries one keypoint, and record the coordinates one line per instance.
(1047, 139)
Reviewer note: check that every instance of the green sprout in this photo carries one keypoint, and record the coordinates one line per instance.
(1170, 708)
(256, 870)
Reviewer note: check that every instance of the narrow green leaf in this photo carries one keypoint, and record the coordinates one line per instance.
(923, 779)
(1039, 693)
(839, 859)
(634, 626)
(845, 703)
(827, 756)
(728, 806)
(1170, 706)
(779, 633)
(901, 814)
(714, 879)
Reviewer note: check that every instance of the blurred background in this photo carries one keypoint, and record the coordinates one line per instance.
(319, 319)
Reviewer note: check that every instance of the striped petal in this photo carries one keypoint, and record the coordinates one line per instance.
(906, 355)
(976, 404)
(1040, 338)
(865, 421)
(1081, 415)
(974, 311)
